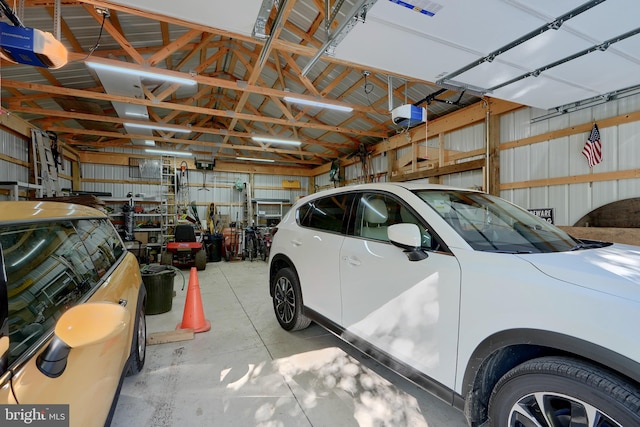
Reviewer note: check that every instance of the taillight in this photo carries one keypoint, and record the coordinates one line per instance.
(274, 230)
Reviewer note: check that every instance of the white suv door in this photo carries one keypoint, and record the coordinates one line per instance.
(408, 309)
(314, 248)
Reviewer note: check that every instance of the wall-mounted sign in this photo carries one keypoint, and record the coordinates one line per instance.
(544, 213)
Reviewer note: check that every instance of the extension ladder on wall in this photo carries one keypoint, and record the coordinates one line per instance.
(45, 168)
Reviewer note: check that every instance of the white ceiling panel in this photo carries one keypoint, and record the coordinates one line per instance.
(461, 23)
(608, 19)
(546, 8)
(491, 74)
(630, 47)
(544, 49)
(238, 16)
(387, 46)
(588, 71)
(542, 92)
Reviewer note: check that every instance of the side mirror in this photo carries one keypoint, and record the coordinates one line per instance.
(82, 325)
(408, 237)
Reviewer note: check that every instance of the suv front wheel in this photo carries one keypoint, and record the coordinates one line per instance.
(563, 392)
(287, 301)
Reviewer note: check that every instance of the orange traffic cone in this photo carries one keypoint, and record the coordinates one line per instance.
(193, 316)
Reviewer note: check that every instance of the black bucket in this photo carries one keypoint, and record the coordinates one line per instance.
(158, 281)
(215, 248)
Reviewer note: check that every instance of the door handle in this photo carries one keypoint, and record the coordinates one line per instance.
(352, 261)
(296, 242)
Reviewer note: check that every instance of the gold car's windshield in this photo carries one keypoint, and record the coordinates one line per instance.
(492, 224)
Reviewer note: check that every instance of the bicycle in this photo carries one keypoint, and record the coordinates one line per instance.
(250, 243)
(264, 243)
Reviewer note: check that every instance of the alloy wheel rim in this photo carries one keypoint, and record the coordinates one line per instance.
(284, 300)
(545, 409)
(142, 338)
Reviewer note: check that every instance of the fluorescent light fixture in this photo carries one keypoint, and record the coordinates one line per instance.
(156, 127)
(141, 73)
(253, 159)
(318, 104)
(150, 142)
(169, 153)
(134, 114)
(275, 140)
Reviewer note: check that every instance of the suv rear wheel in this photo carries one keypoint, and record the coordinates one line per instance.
(563, 392)
(287, 301)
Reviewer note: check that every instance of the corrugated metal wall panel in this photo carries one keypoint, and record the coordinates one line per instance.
(470, 179)
(562, 157)
(538, 198)
(538, 161)
(559, 201)
(323, 181)
(466, 139)
(558, 155)
(18, 148)
(630, 188)
(628, 146)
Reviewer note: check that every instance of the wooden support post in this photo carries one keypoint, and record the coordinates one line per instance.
(493, 162)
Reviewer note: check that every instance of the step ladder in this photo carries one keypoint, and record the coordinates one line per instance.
(45, 167)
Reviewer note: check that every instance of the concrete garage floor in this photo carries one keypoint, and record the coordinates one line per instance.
(247, 371)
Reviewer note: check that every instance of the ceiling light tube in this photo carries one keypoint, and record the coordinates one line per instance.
(141, 73)
(318, 104)
(156, 127)
(275, 140)
(253, 159)
(169, 153)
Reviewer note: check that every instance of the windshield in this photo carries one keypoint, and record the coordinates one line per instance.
(492, 224)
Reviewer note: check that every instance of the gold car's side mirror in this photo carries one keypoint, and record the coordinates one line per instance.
(82, 325)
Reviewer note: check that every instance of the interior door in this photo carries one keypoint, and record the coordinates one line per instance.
(408, 309)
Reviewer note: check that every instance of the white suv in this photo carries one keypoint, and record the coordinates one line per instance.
(489, 307)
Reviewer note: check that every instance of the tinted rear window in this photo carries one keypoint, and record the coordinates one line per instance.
(327, 213)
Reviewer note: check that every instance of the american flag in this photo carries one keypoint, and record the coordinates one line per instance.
(593, 148)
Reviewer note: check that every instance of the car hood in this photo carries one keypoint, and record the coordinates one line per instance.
(613, 269)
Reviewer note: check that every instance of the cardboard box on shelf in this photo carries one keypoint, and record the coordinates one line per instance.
(142, 237)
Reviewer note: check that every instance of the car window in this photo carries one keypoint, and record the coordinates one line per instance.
(327, 213)
(48, 271)
(491, 224)
(376, 212)
(102, 242)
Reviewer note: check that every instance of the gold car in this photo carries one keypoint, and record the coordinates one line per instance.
(72, 310)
